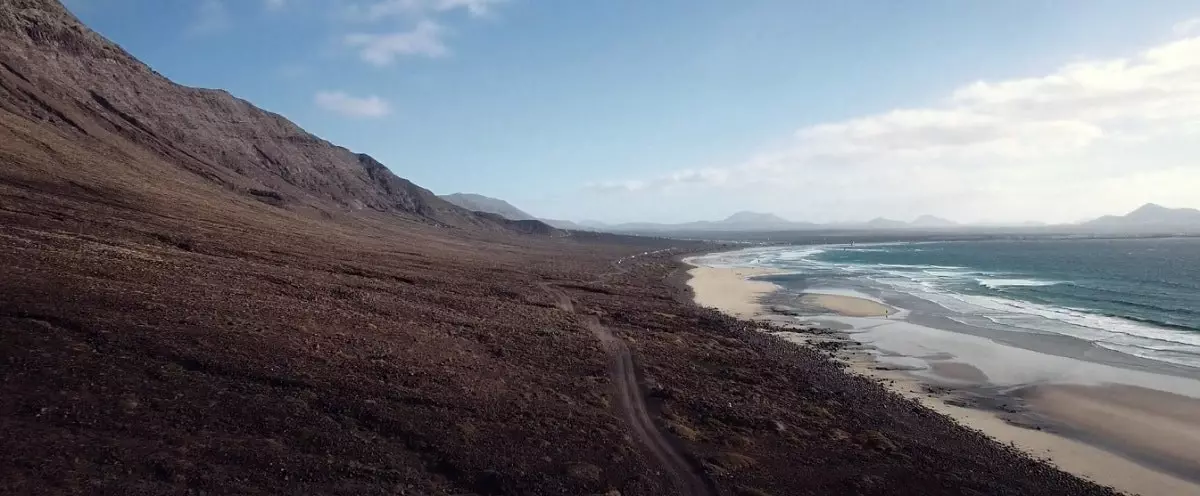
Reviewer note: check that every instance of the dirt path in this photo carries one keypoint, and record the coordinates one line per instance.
(631, 401)
(561, 300)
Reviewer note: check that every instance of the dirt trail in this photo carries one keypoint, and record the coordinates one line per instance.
(561, 300)
(632, 402)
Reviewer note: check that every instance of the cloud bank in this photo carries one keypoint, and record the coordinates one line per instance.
(383, 49)
(423, 35)
(1091, 137)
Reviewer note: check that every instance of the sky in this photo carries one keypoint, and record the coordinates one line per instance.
(681, 110)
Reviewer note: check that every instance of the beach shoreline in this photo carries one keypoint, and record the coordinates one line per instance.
(1040, 419)
(730, 290)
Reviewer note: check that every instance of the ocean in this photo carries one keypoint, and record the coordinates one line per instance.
(1136, 297)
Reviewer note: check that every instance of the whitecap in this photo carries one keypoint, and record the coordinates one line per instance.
(1000, 283)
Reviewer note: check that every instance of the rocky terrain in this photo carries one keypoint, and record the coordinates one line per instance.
(57, 72)
(198, 297)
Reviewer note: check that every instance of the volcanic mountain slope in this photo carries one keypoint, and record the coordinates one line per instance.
(525, 222)
(480, 203)
(57, 71)
(180, 315)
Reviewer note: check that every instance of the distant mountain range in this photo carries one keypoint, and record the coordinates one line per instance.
(480, 203)
(486, 204)
(1149, 217)
(931, 221)
(741, 221)
(755, 221)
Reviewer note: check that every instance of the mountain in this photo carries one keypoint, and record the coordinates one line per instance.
(199, 297)
(566, 224)
(505, 210)
(740, 221)
(748, 221)
(754, 219)
(594, 224)
(883, 223)
(525, 226)
(1151, 213)
(1148, 217)
(932, 221)
(58, 72)
(480, 203)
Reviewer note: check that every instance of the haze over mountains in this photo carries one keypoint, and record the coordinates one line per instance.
(1149, 217)
(480, 203)
(200, 297)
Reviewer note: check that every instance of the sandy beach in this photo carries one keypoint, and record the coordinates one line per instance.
(730, 290)
(1135, 439)
(845, 305)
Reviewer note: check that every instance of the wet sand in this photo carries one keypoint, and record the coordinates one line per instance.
(1135, 439)
(845, 305)
(730, 290)
(1160, 427)
(1078, 454)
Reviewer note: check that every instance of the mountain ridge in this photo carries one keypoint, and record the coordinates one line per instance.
(932, 221)
(480, 203)
(1149, 216)
(53, 69)
(180, 319)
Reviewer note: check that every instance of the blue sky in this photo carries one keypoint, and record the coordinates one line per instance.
(678, 110)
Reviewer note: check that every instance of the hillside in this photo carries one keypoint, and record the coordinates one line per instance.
(58, 72)
(1150, 217)
(932, 221)
(883, 223)
(480, 203)
(754, 218)
(507, 212)
(201, 298)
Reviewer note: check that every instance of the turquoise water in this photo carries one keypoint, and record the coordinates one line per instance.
(1135, 296)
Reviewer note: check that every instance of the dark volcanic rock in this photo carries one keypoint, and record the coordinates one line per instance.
(54, 69)
(198, 297)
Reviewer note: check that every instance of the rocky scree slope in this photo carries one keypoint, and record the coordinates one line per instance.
(55, 70)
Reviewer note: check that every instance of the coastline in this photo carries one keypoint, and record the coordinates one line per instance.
(1114, 435)
(730, 290)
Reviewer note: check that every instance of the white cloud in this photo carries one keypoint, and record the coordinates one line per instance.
(383, 9)
(425, 38)
(211, 17)
(473, 7)
(382, 49)
(1187, 27)
(1038, 147)
(344, 104)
